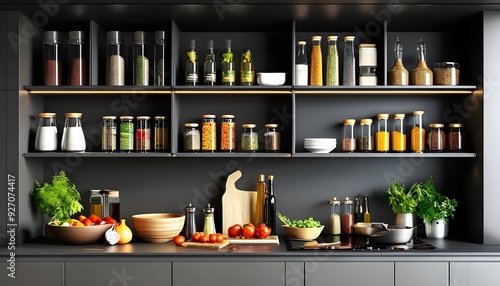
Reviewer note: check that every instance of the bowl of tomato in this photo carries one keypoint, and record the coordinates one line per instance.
(80, 234)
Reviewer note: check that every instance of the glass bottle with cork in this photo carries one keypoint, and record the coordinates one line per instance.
(316, 77)
(382, 134)
(421, 74)
(366, 140)
(160, 54)
(77, 58)
(332, 62)
(398, 135)
(141, 59)
(301, 67)
(366, 211)
(261, 196)
(227, 66)
(191, 65)
(417, 132)
(334, 219)
(247, 68)
(398, 74)
(210, 66)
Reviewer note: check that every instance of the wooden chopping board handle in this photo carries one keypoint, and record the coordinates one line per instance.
(238, 206)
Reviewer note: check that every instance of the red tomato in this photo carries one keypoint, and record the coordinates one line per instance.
(234, 231)
(204, 238)
(109, 220)
(263, 231)
(179, 240)
(213, 237)
(249, 231)
(220, 237)
(249, 224)
(95, 219)
(81, 218)
(196, 236)
(87, 222)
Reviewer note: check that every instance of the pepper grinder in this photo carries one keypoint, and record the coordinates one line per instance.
(190, 222)
(209, 225)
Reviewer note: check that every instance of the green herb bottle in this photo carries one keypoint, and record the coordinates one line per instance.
(247, 68)
(191, 67)
(227, 66)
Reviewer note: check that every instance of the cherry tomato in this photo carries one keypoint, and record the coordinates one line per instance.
(196, 236)
(234, 231)
(204, 238)
(213, 237)
(263, 231)
(249, 224)
(81, 218)
(249, 231)
(95, 219)
(87, 222)
(179, 240)
(109, 220)
(220, 237)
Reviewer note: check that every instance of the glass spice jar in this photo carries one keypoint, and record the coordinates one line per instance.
(115, 59)
(46, 133)
(191, 137)
(160, 55)
(272, 138)
(77, 58)
(366, 140)
(456, 137)
(52, 64)
(349, 137)
(398, 135)
(382, 134)
(332, 62)
(108, 143)
(209, 133)
(249, 138)
(417, 132)
(126, 134)
(143, 134)
(161, 134)
(227, 133)
(347, 217)
(349, 72)
(141, 59)
(436, 138)
(316, 62)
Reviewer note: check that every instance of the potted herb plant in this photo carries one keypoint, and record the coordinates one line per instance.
(435, 210)
(404, 202)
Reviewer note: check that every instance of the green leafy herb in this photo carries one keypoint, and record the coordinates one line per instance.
(402, 200)
(436, 205)
(59, 200)
(307, 223)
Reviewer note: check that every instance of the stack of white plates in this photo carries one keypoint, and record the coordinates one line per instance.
(320, 145)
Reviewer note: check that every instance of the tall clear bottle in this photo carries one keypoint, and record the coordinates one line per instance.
(316, 77)
(349, 72)
(141, 59)
(421, 74)
(52, 64)
(210, 66)
(191, 66)
(115, 59)
(77, 58)
(332, 62)
(247, 68)
(160, 54)
(271, 205)
(227, 66)
(301, 67)
(398, 74)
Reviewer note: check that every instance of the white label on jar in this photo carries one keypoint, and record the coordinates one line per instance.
(301, 74)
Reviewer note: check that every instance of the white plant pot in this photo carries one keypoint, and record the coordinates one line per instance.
(404, 219)
(438, 228)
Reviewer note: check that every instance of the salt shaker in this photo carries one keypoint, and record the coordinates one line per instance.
(209, 225)
(190, 222)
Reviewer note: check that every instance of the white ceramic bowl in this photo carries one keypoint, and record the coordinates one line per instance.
(271, 78)
(319, 150)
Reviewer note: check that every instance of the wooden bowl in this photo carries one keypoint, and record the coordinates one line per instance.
(79, 234)
(158, 227)
(303, 233)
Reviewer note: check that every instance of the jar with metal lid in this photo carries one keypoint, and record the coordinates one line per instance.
(382, 134)
(160, 56)
(316, 63)
(398, 135)
(456, 137)
(191, 137)
(367, 64)
(108, 143)
(349, 137)
(349, 72)
(436, 138)
(143, 134)
(366, 140)
(114, 204)
(115, 59)
(141, 59)
(332, 62)
(46, 133)
(272, 138)
(126, 134)
(334, 226)
(228, 133)
(249, 138)
(347, 216)
(161, 134)
(209, 133)
(418, 132)
(77, 58)
(52, 58)
(209, 222)
(73, 139)
(96, 202)
(446, 73)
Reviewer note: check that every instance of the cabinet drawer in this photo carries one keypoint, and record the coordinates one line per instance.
(348, 273)
(422, 273)
(474, 273)
(45, 273)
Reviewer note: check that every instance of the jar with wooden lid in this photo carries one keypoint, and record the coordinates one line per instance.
(249, 138)
(436, 138)
(108, 143)
(366, 140)
(417, 132)
(46, 134)
(316, 63)
(349, 137)
(228, 133)
(209, 133)
(272, 138)
(398, 135)
(382, 134)
(456, 137)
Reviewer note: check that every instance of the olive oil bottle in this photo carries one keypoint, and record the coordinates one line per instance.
(247, 69)
(227, 66)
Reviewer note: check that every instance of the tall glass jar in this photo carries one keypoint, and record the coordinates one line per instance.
(349, 136)
(382, 135)
(418, 132)
(160, 54)
(366, 140)
(126, 134)
(108, 142)
(227, 66)
(73, 139)
(209, 133)
(436, 138)
(228, 133)
(249, 138)
(46, 133)
(191, 137)
(398, 135)
(272, 138)
(456, 137)
(332, 62)
(316, 62)
(77, 58)
(161, 134)
(421, 74)
(52, 61)
(398, 75)
(349, 72)
(143, 134)
(141, 59)
(96, 203)
(191, 65)
(334, 226)
(347, 217)
(247, 68)
(115, 59)
(301, 67)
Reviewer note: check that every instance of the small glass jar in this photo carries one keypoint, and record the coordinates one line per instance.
(349, 137)
(334, 225)
(347, 216)
(349, 72)
(114, 204)
(52, 61)
(191, 137)
(96, 202)
(77, 58)
(160, 55)
(209, 222)
(161, 134)
(398, 135)
(332, 62)
(209, 133)
(115, 59)
(228, 133)
(446, 73)
(272, 138)
(108, 143)
(316, 63)
(73, 139)
(436, 138)
(249, 138)
(382, 135)
(126, 134)
(143, 134)
(46, 133)
(418, 132)
(366, 140)
(456, 137)
(141, 59)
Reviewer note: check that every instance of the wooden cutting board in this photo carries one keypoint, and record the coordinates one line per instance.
(272, 239)
(238, 206)
(210, 245)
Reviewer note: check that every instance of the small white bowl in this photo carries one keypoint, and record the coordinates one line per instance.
(271, 78)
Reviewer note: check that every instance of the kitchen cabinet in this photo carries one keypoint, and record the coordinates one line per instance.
(348, 273)
(118, 273)
(44, 273)
(421, 273)
(474, 273)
